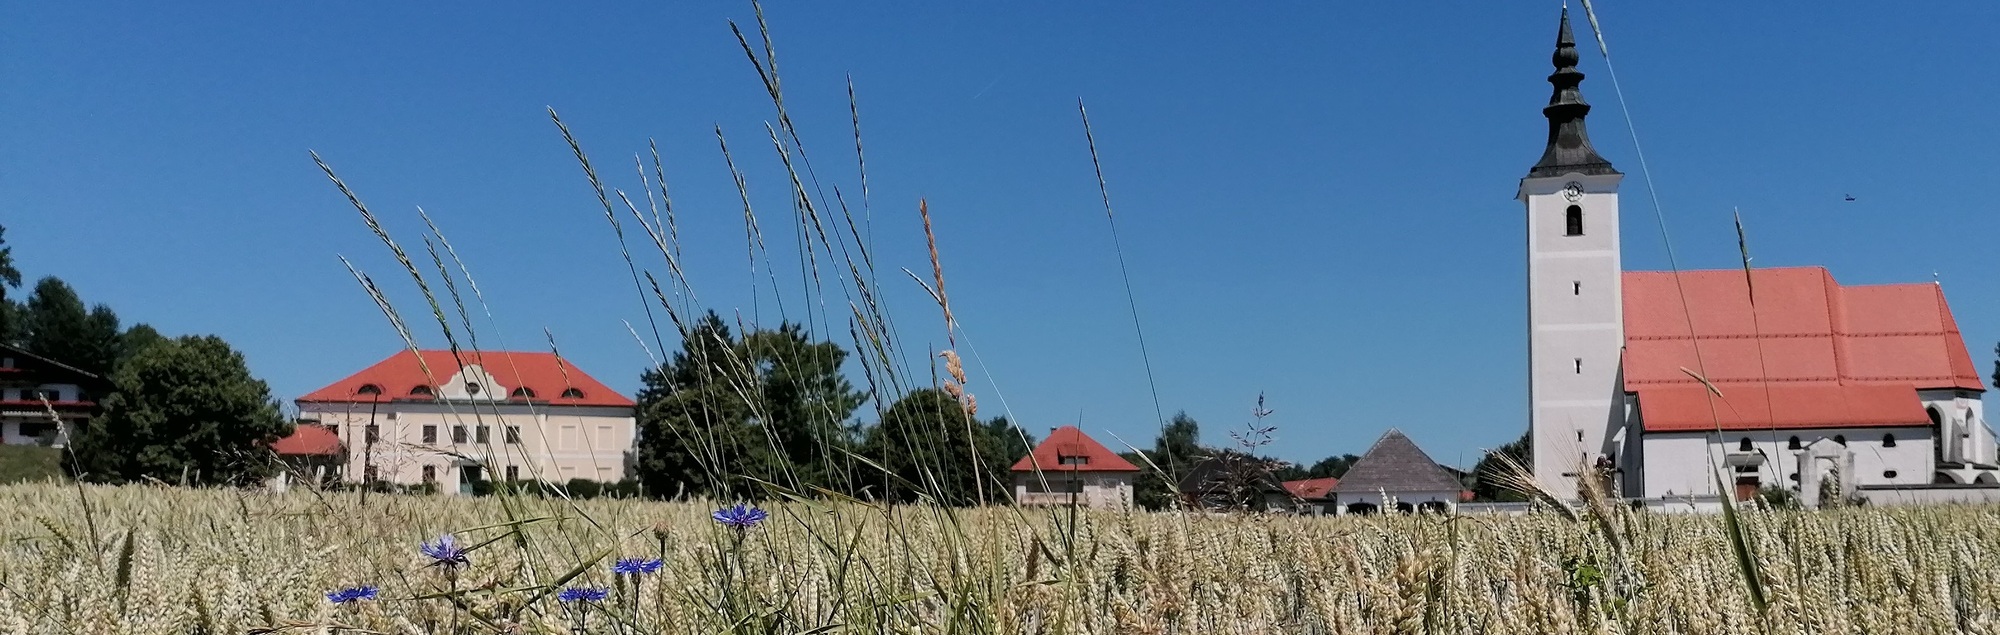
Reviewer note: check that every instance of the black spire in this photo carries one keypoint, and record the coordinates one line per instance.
(1569, 145)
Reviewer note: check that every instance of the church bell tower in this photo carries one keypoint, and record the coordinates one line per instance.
(1576, 330)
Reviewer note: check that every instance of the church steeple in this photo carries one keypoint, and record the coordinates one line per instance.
(1569, 144)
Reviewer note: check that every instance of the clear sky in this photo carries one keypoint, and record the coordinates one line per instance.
(1315, 198)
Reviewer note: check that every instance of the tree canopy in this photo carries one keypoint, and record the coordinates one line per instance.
(929, 446)
(1490, 475)
(58, 327)
(185, 408)
(727, 412)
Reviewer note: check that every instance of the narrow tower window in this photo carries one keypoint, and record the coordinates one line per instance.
(1573, 221)
(1576, 288)
(1579, 365)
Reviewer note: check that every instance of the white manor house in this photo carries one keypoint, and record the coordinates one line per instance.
(1810, 378)
(452, 421)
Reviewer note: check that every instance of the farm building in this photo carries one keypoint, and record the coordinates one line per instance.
(1232, 480)
(1653, 380)
(1070, 468)
(425, 419)
(1396, 475)
(1313, 495)
(32, 387)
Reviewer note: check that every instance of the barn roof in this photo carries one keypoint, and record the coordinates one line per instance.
(1069, 442)
(546, 378)
(1396, 464)
(1809, 352)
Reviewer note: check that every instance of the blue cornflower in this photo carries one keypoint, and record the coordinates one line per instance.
(635, 566)
(352, 594)
(582, 594)
(445, 552)
(740, 517)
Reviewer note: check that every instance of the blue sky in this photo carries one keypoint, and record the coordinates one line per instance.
(1314, 198)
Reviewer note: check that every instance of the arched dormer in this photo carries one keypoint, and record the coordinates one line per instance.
(368, 389)
(421, 390)
(523, 392)
(572, 393)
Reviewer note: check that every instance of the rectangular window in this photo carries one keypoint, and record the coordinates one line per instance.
(513, 472)
(458, 434)
(1576, 288)
(37, 429)
(469, 474)
(430, 435)
(514, 434)
(370, 474)
(430, 474)
(483, 436)
(1579, 365)
(1075, 460)
(374, 433)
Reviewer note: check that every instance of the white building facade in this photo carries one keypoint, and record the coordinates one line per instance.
(498, 417)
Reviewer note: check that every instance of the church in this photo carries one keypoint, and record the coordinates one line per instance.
(1657, 382)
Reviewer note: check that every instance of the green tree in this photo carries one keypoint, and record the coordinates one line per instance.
(931, 448)
(10, 278)
(725, 413)
(186, 408)
(805, 401)
(136, 339)
(1491, 475)
(60, 328)
(1332, 466)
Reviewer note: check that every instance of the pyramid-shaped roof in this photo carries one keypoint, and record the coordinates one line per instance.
(1396, 464)
(1084, 453)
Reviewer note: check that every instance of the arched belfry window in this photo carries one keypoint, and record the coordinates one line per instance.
(1744, 445)
(1573, 221)
(1793, 443)
(1888, 440)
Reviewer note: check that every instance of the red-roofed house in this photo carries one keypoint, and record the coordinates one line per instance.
(1314, 495)
(425, 418)
(1618, 359)
(312, 452)
(1070, 468)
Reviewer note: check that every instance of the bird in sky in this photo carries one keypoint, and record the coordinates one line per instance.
(1850, 198)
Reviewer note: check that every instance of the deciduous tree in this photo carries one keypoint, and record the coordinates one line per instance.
(186, 408)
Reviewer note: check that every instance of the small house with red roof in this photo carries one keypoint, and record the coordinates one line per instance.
(453, 420)
(41, 398)
(1070, 468)
(1313, 495)
(311, 453)
(1659, 382)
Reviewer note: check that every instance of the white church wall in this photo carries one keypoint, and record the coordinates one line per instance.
(1677, 463)
(1386, 504)
(1968, 438)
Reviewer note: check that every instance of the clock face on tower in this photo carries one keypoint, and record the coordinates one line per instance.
(1573, 191)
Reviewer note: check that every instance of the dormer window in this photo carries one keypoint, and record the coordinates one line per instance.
(472, 388)
(421, 391)
(522, 393)
(1573, 221)
(1074, 460)
(572, 393)
(368, 389)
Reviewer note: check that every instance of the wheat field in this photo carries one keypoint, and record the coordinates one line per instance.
(163, 560)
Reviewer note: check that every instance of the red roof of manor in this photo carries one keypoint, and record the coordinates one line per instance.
(548, 379)
(308, 440)
(1823, 354)
(1068, 442)
(1312, 488)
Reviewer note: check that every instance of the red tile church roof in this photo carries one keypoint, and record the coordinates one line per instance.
(551, 380)
(1067, 442)
(1825, 355)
